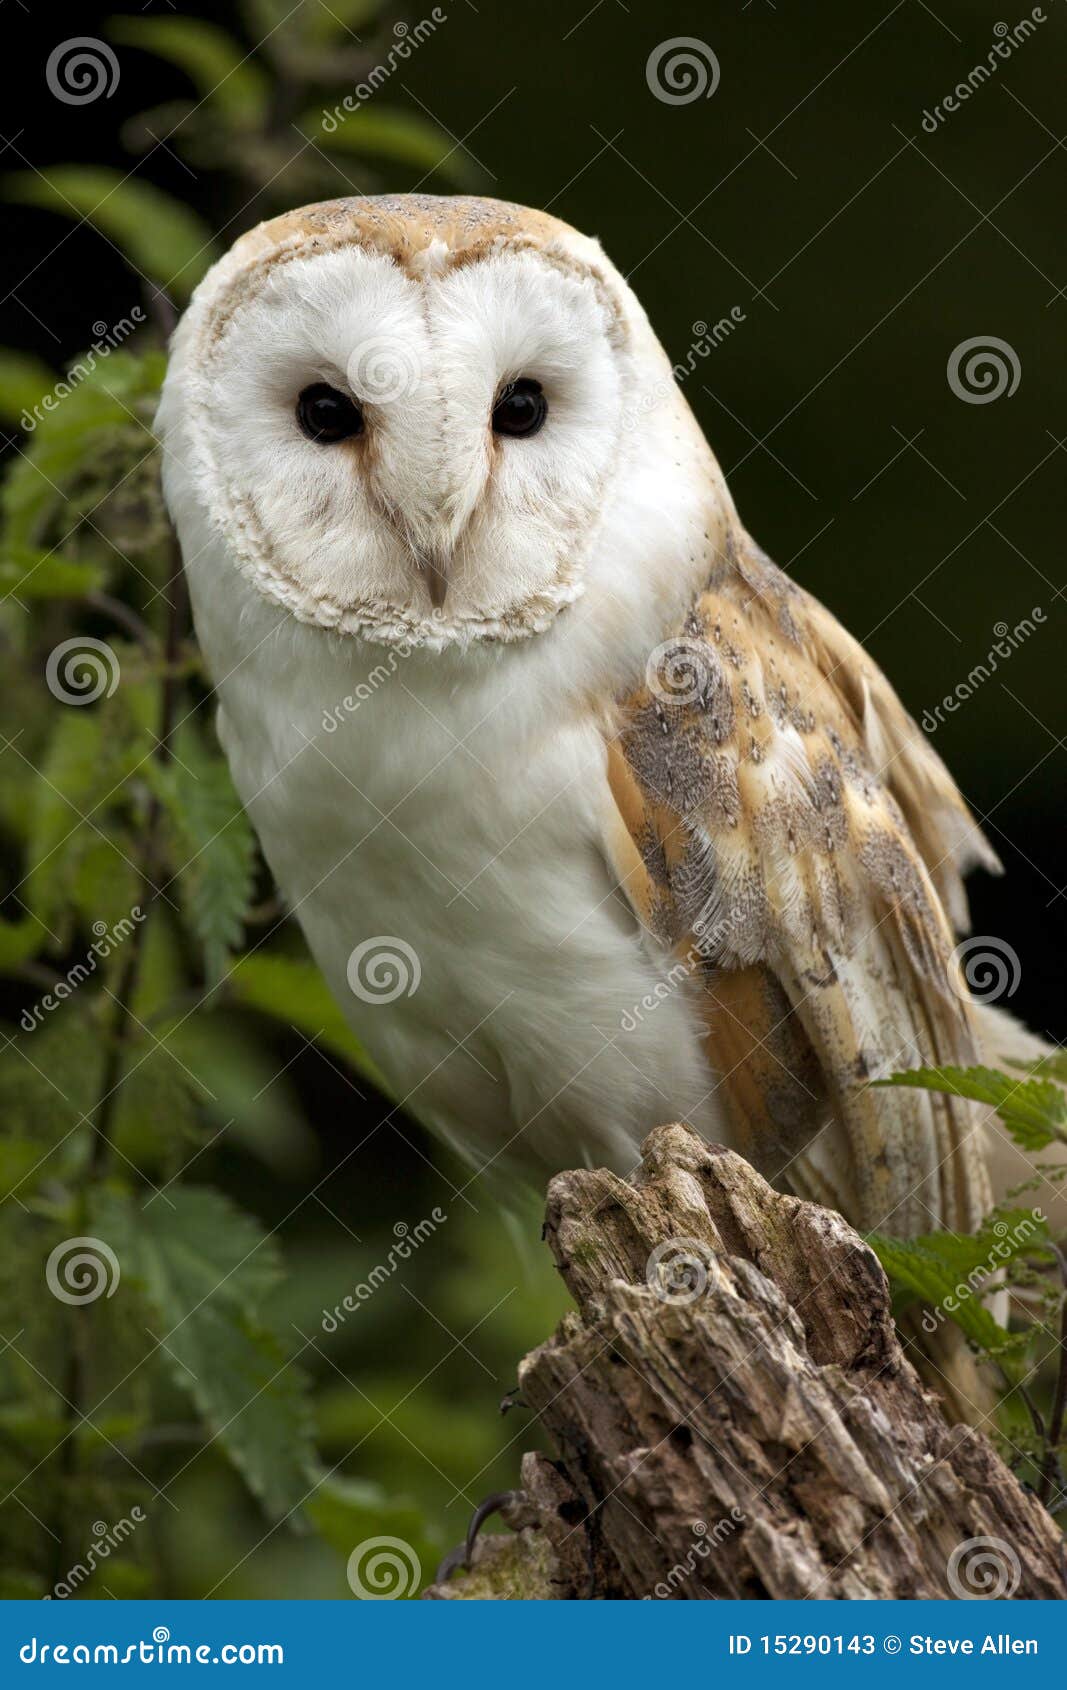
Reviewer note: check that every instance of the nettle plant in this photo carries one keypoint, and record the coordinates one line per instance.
(951, 1277)
(140, 944)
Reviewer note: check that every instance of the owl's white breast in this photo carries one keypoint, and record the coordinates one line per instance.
(458, 807)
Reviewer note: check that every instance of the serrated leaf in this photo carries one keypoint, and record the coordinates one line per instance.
(218, 66)
(23, 381)
(293, 990)
(921, 1266)
(207, 1270)
(215, 848)
(101, 428)
(89, 757)
(160, 236)
(1034, 1111)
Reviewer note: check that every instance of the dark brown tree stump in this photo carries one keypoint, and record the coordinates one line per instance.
(732, 1414)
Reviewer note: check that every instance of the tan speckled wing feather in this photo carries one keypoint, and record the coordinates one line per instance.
(784, 824)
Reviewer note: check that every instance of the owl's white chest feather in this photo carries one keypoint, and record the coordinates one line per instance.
(467, 837)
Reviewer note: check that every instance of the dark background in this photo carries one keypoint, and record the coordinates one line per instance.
(862, 251)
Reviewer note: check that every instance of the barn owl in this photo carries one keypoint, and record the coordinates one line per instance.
(591, 816)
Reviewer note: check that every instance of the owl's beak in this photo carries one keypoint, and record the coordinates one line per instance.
(434, 571)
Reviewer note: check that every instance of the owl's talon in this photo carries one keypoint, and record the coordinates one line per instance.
(463, 1553)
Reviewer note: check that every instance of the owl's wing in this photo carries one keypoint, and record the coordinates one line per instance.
(784, 825)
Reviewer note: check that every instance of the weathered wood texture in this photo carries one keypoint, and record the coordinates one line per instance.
(733, 1416)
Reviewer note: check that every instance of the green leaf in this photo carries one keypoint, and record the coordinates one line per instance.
(48, 575)
(1050, 1067)
(250, 1100)
(20, 940)
(214, 844)
(339, 19)
(400, 136)
(348, 1513)
(23, 381)
(84, 445)
(19, 1160)
(293, 990)
(1034, 1111)
(160, 236)
(926, 1268)
(217, 65)
(208, 1271)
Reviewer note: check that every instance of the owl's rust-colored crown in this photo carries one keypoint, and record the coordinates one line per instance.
(407, 227)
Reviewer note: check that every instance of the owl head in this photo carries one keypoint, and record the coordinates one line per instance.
(406, 417)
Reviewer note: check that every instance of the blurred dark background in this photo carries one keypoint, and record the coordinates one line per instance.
(862, 250)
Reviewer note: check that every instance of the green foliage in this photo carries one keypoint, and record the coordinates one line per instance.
(151, 1094)
(1011, 1259)
(207, 1272)
(161, 238)
(213, 846)
(216, 64)
(1034, 1111)
(953, 1272)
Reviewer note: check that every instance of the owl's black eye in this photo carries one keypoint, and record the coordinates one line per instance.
(326, 415)
(521, 408)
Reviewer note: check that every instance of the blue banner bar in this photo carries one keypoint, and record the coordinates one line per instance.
(527, 1646)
